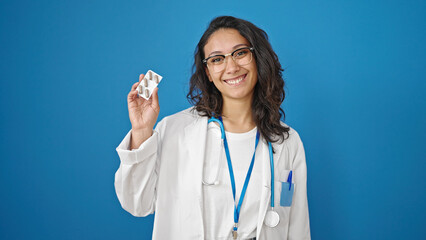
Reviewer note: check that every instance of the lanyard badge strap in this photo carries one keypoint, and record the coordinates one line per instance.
(231, 174)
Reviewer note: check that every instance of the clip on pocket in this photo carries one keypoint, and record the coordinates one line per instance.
(287, 190)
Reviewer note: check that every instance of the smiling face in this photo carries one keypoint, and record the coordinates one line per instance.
(234, 82)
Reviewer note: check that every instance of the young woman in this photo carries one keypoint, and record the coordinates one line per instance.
(227, 168)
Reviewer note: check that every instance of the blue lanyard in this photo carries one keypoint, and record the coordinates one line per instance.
(231, 174)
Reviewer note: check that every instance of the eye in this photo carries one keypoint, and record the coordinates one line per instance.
(216, 60)
(241, 53)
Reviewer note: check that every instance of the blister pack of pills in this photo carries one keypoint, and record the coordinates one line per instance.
(148, 83)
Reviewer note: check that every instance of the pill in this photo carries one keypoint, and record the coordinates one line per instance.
(150, 75)
(140, 89)
(156, 79)
(145, 82)
(146, 93)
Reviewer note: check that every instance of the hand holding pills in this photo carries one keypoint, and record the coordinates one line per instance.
(143, 107)
(149, 82)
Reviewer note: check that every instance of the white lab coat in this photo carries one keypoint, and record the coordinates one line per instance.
(165, 175)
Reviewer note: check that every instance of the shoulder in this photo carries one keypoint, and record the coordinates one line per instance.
(294, 136)
(180, 119)
(293, 143)
(189, 114)
(185, 116)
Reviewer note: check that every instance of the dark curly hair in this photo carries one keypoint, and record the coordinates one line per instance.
(268, 92)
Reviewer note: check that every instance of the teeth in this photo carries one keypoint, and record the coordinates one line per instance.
(235, 81)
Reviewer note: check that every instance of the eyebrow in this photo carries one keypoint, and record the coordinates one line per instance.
(235, 47)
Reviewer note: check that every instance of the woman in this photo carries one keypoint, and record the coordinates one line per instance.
(203, 187)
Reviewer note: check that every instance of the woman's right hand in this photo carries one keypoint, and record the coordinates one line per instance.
(143, 114)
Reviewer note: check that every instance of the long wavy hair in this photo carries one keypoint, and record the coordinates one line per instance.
(268, 92)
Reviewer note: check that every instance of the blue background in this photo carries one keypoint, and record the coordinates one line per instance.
(355, 75)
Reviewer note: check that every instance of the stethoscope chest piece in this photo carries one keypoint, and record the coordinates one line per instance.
(272, 218)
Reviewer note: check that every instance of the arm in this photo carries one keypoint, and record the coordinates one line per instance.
(299, 213)
(136, 178)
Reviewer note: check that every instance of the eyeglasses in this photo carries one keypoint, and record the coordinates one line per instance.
(241, 56)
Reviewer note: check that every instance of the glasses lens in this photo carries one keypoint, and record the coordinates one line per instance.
(242, 56)
(216, 63)
(217, 60)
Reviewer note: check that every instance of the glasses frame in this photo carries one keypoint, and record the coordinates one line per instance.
(230, 54)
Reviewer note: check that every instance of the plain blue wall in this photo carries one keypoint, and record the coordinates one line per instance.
(355, 74)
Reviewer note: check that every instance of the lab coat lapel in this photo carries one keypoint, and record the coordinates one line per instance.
(195, 139)
(266, 190)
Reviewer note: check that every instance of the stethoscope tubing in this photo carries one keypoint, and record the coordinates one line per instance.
(271, 158)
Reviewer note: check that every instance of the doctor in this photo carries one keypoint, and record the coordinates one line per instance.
(227, 168)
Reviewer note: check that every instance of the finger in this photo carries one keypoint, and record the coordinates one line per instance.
(132, 95)
(134, 86)
(154, 97)
(141, 77)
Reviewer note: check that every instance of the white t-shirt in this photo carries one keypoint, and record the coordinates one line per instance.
(218, 202)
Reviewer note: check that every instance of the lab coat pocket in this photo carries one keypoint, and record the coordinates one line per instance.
(287, 188)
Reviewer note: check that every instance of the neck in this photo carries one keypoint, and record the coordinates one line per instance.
(237, 115)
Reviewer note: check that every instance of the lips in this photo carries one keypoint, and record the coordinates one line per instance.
(235, 81)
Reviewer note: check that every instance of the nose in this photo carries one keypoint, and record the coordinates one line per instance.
(231, 65)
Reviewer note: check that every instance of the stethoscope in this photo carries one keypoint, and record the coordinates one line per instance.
(271, 218)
